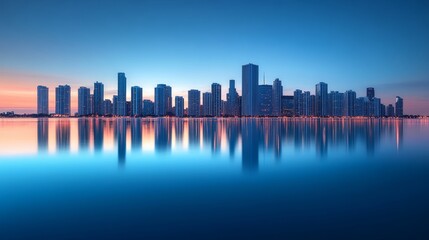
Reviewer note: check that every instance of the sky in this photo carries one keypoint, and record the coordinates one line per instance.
(190, 44)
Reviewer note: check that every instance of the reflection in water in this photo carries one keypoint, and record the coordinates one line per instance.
(42, 134)
(267, 136)
(63, 135)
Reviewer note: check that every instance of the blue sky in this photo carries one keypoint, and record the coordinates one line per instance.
(190, 44)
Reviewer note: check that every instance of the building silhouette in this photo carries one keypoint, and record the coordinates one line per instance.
(399, 106)
(122, 95)
(194, 103)
(265, 95)
(98, 98)
(136, 101)
(62, 100)
(207, 104)
(42, 100)
(148, 108)
(179, 104)
(108, 107)
(390, 111)
(321, 99)
(83, 101)
(233, 108)
(349, 103)
(370, 93)
(162, 99)
(115, 105)
(217, 99)
(297, 102)
(277, 97)
(250, 82)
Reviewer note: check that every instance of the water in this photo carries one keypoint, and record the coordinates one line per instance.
(214, 178)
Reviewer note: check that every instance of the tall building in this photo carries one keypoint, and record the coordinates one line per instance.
(168, 100)
(194, 103)
(382, 110)
(136, 101)
(265, 95)
(91, 104)
(148, 108)
(349, 103)
(42, 100)
(62, 100)
(390, 110)
(306, 104)
(179, 104)
(287, 106)
(108, 107)
(217, 99)
(98, 98)
(232, 100)
(250, 82)
(122, 95)
(370, 93)
(83, 101)
(376, 107)
(115, 105)
(162, 100)
(335, 103)
(360, 106)
(297, 102)
(207, 104)
(321, 99)
(399, 106)
(277, 97)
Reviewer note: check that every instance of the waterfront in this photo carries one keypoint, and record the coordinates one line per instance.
(213, 178)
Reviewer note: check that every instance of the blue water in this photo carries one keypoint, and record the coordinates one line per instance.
(214, 179)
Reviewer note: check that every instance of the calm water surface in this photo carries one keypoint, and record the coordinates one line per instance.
(214, 179)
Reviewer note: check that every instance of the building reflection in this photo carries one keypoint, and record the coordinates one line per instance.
(121, 138)
(250, 141)
(42, 134)
(98, 128)
(194, 132)
(63, 135)
(136, 134)
(84, 132)
(163, 134)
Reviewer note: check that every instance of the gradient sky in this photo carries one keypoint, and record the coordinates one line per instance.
(191, 44)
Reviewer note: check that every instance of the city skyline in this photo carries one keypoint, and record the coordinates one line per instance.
(381, 44)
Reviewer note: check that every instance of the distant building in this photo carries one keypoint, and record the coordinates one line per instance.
(83, 102)
(306, 104)
(217, 99)
(136, 101)
(265, 95)
(115, 105)
(122, 95)
(148, 108)
(349, 103)
(162, 100)
(277, 97)
(399, 106)
(370, 93)
(287, 106)
(128, 108)
(108, 107)
(224, 108)
(321, 99)
(390, 111)
(62, 100)
(232, 100)
(382, 110)
(207, 104)
(98, 98)
(250, 81)
(335, 103)
(297, 102)
(179, 103)
(91, 104)
(42, 100)
(194, 102)
(376, 107)
(360, 106)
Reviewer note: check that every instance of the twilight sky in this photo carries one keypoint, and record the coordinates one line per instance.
(193, 43)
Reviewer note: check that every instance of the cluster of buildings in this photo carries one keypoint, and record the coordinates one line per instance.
(256, 100)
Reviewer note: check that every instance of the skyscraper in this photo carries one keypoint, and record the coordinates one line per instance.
(168, 100)
(376, 107)
(321, 99)
(42, 100)
(335, 103)
(390, 110)
(217, 99)
(370, 93)
(194, 102)
(277, 97)
(91, 104)
(232, 100)
(250, 82)
(148, 108)
(62, 100)
(306, 104)
(108, 107)
(115, 105)
(207, 104)
(399, 106)
(122, 95)
(98, 98)
(83, 101)
(297, 102)
(136, 101)
(265, 95)
(349, 103)
(179, 104)
(162, 99)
